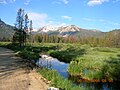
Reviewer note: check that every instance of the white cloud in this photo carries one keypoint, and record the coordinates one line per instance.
(3, 1)
(109, 22)
(12, 1)
(88, 19)
(96, 2)
(39, 19)
(6, 1)
(42, 19)
(116, 1)
(27, 2)
(66, 17)
(60, 2)
(63, 24)
(103, 21)
(65, 1)
(56, 2)
(56, 24)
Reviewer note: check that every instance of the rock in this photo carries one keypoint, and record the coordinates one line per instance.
(44, 56)
(52, 88)
(48, 82)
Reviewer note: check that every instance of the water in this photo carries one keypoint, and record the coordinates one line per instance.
(61, 68)
(55, 64)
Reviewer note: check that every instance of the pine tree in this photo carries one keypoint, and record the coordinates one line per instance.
(21, 28)
(18, 36)
(31, 28)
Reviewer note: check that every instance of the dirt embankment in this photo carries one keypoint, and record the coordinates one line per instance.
(16, 75)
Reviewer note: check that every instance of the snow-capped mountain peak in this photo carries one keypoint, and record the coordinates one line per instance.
(70, 28)
(48, 28)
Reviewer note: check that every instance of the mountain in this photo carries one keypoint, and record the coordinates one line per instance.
(48, 28)
(6, 31)
(51, 30)
(70, 30)
(115, 32)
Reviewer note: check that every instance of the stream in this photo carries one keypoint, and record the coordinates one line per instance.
(53, 63)
(61, 68)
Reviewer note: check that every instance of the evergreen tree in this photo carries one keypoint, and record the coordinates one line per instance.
(31, 28)
(21, 28)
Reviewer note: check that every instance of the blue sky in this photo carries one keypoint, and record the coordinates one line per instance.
(102, 15)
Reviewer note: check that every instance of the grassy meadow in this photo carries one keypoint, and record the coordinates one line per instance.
(89, 63)
(60, 82)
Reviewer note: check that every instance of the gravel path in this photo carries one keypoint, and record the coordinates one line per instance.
(15, 75)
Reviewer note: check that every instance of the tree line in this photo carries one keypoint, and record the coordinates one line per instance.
(111, 39)
(45, 38)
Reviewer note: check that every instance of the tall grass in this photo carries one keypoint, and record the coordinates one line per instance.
(97, 63)
(58, 81)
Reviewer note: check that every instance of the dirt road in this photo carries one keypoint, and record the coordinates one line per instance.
(14, 75)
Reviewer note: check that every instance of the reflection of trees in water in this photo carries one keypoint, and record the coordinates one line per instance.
(45, 63)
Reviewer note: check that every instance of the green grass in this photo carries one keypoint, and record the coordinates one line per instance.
(31, 52)
(23, 52)
(4, 44)
(58, 81)
(85, 61)
(88, 62)
(99, 63)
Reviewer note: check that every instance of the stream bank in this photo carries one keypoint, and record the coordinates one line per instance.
(61, 68)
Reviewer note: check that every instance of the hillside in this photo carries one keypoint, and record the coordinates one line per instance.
(6, 31)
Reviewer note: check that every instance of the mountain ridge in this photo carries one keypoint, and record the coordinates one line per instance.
(6, 31)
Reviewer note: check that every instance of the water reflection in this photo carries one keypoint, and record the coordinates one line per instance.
(55, 64)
